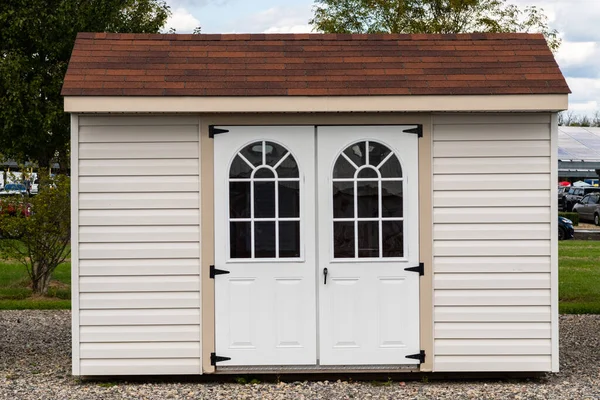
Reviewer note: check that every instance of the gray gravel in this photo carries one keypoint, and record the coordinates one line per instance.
(35, 364)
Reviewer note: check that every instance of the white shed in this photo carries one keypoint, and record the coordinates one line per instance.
(305, 202)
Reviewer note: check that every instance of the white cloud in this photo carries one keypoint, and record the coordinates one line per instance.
(306, 28)
(280, 19)
(182, 21)
(586, 94)
(588, 106)
(571, 53)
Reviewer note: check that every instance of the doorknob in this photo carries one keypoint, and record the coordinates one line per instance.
(325, 274)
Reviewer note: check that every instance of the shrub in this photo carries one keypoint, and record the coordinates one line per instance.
(573, 216)
(37, 230)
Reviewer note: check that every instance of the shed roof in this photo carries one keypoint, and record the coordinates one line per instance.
(105, 64)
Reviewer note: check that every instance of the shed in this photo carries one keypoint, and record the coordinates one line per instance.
(307, 202)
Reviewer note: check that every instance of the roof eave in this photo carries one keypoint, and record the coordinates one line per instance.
(311, 104)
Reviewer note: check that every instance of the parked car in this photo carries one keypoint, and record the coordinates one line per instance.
(575, 194)
(14, 188)
(565, 228)
(588, 208)
(18, 206)
(35, 186)
(562, 191)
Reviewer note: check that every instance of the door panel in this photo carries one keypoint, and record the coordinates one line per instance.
(265, 308)
(368, 233)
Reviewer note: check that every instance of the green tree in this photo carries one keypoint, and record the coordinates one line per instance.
(36, 231)
(36, 40)
(429, 16)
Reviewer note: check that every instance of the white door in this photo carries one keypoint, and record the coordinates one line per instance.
(265, 237)
(368, 228)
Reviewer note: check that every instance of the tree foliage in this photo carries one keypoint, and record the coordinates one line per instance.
(36, 40)
(429, 16)
(37, 230)
(569, 118)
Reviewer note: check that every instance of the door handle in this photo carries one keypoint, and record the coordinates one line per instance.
(325, 276)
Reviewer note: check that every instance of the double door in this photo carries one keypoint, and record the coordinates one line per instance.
(315, 227)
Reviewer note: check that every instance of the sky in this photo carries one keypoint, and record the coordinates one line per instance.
(576, 21)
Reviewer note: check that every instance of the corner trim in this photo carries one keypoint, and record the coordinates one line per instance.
(75, 358)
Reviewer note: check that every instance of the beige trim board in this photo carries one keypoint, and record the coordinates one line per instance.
(426, 245)
(207, 247)
(294, 104)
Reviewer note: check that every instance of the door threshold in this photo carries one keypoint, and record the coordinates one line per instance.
(278, 369)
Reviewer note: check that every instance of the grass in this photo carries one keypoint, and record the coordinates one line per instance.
(15, 293)
(579, 277)
(579, 282)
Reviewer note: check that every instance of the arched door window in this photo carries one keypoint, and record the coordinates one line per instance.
(368, 202)
(264, 203)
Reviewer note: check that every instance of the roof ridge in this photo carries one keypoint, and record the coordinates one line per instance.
(476, 36)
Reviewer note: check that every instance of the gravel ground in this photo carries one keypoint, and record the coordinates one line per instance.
(35, 364)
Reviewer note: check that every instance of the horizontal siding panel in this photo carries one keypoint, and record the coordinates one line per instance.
(525, 148)
(140, 167)
(485, 215)
(131, 184)
(516, 363)
(106, 284)
(491, 182)
(492, 281)
(140, 133)
(128, 300)
(134, 201)
(490, 330)
(492, 198)
(497, 297)
(121, 267)
(492, 165)
(140, 350)
(465, 248)
(160, 333)
(491, 231)
(492, 314)
(132, 234)
(509, 131)
(118, 120)
(491, 264)
(161, 366)
(140, 317)
(490, 119)
(491, 347)
(139, 250)
(138, 150)
(139, 217)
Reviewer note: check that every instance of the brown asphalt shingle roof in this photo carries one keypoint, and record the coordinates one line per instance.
(106, 64)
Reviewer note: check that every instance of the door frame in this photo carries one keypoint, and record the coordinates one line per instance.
(425, 210)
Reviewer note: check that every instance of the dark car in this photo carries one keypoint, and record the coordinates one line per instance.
(565, 229)
(562, 191)
(588, 208)
(575, 194)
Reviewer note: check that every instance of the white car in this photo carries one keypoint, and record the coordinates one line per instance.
(34, 186)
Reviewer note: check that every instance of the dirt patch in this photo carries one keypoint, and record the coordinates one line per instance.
(584, 225)
(53, 285)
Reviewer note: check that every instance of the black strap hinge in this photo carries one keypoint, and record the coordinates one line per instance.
(212, 131)
(214, 272)
(418, 130)
(420, 269)
(419, 356)
(214, 359)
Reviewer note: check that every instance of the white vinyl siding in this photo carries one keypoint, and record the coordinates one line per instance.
(492, 242)
(139, 245)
